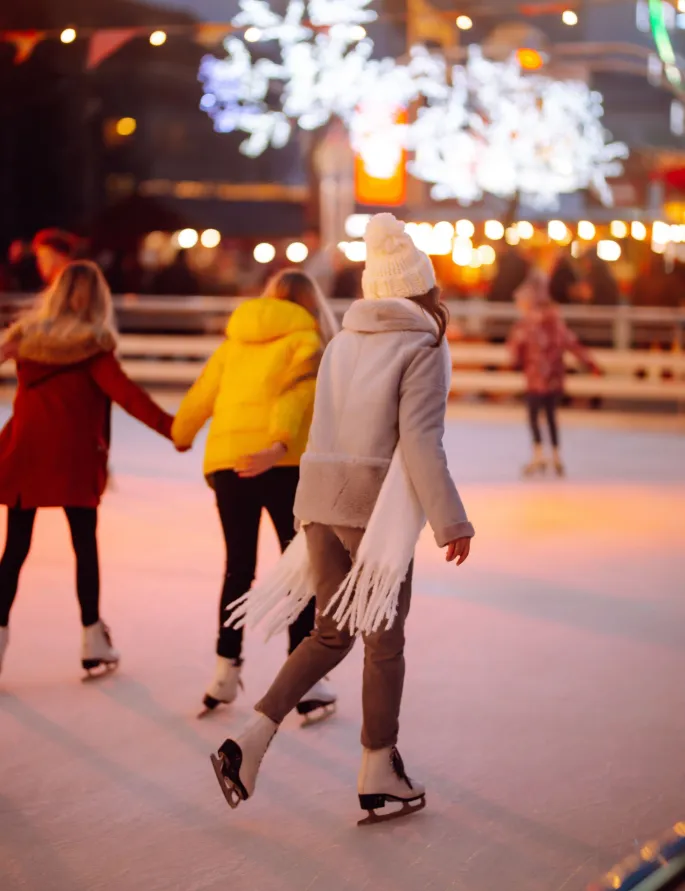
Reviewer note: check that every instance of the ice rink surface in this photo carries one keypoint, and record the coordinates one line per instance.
(543, 707)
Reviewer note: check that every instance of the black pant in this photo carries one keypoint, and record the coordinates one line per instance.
(546, 402)
(240, 503)
(83, 526)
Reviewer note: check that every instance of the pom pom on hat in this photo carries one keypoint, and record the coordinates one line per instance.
(384, 233)
(394, 265)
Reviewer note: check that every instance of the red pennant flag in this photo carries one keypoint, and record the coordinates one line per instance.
(24, 43)
(104, 43)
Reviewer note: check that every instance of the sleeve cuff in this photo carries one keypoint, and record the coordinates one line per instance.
(451, 533)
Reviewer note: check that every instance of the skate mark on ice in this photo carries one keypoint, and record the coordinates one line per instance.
(643, 621)
(138, 784)
(137, 698)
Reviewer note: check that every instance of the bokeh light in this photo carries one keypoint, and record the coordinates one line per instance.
(264, 252)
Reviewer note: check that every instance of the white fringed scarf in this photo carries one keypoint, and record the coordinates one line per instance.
(368, 596)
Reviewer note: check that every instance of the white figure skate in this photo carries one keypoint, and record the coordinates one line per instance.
(97, 651)
(4, 641)
(224, 687)
(318, 704)
(383, 780)
(237, 762)
(536, 467)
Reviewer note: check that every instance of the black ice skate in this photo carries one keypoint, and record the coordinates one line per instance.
(237, 762)
(317, 705)
(98, 656)
(382, 781)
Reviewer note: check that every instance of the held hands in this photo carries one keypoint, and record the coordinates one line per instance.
(260, 462)
(459, 548)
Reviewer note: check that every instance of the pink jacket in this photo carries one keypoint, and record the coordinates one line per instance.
(537, 344)
(381, 380)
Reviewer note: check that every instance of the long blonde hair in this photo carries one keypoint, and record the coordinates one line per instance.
(79, 296)
(297, 287)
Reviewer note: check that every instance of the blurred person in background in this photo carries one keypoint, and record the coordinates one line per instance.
(653, 286)
(347, 278)
(258, 391)
(563, 279)
(54, 449)
(177, 278)
(512, 268)
(23, 268)
(54, 249)
(537, 344)
(597, 285)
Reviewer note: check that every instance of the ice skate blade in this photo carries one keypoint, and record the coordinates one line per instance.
(96, 669)
(379, 801)
(227, 769)
(315, 713)
(210, 705)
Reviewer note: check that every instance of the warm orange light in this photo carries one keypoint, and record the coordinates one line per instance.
(529, 59)
(371, 190)
(126, 126)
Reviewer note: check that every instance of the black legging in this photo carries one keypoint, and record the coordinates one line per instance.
(240, 503)
(83, 526)
(546, 402)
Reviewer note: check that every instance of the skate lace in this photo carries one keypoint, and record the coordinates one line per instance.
(106, 634)
(397, 765)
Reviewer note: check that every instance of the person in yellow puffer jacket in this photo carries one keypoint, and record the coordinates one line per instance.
(258, 389)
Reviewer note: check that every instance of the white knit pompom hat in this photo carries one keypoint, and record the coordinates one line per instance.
(395, 267)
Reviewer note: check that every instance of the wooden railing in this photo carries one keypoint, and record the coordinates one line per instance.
(176, 359)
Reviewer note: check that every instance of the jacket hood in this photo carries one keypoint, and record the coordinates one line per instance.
(265, 319)
(389, 314)
(60, 343)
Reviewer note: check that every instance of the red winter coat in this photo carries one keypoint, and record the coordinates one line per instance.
(54, 449)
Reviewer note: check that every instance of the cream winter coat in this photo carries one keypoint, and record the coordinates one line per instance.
(381, 380)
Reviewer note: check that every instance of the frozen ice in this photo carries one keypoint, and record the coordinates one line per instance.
(543, 704)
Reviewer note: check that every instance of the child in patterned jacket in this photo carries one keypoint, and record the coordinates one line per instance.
(537, 344)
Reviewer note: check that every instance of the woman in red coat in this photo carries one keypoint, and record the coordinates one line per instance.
(54, 449)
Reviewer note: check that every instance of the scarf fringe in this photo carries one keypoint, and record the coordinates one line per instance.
(368, 596)
(279, 598)
(367, 599)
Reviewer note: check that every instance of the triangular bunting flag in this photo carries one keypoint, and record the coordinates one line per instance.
(104, 43)
(24, 43)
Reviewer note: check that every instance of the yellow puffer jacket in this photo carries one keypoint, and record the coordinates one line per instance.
(258, 387)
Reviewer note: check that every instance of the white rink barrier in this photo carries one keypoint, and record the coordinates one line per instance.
(175, 360)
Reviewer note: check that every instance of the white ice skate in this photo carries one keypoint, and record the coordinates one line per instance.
(97, 651)
(537, 467)
(4, 641)
(383, 780)
(224, 687)
(237, 762)
(318, 704)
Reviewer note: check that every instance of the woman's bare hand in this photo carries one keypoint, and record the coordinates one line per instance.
(459, 548)
(260, 462)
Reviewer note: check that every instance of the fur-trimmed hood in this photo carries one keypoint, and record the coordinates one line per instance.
(63, 342)
(389, 314)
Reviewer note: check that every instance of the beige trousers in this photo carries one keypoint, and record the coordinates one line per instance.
(331, 551)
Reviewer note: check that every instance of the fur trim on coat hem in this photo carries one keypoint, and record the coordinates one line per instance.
(339, 491)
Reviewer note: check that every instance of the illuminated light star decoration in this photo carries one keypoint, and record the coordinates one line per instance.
(481, 127)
